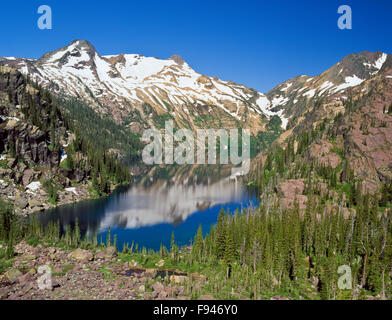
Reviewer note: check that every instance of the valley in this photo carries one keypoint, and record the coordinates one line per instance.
(318, 194)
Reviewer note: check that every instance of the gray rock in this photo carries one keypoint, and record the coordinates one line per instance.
(28, 175)
(81, 255)
(107, 253)
(158, 287)
(27, 258)
(142, 288)
(20, 203)
(35, 203)
(12, 275)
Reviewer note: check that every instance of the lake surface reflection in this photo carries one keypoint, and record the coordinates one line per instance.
(148, 214)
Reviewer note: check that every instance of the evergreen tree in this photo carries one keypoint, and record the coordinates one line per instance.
(197, 248)
(220, 235)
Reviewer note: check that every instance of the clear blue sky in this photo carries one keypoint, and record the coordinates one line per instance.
(256, 43)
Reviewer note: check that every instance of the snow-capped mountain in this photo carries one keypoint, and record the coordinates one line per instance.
(296, 95)
(144, 91)
(135, 89)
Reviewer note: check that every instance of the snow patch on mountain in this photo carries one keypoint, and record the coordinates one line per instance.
(350, 82)
(325, 86)
(287, 86)
(265, 106)
(377, 64)
(380, 61)
(310, 93)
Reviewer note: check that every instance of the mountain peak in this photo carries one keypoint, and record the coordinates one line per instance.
(177, 59)
(75, 48)
(82, 44)
(364, 64)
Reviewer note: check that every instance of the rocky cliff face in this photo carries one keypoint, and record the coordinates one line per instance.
(25, 139)
(28, 157)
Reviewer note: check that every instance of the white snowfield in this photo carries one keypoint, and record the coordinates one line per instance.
(350, 82)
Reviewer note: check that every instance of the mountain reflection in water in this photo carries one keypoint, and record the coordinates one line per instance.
(149, 214)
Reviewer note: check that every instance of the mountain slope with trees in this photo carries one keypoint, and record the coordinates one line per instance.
(46, 157)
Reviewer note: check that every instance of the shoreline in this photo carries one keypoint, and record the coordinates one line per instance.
(83, 194)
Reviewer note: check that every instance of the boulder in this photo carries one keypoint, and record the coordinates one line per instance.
(35, 204)
(160, 263)
(107, 253)
(23, 279)
(178, 279)
(21, 167)
(12, 275)
(198, 277)
(20, 203)
(142, 288)
(3, 293)
(32, 271)
(27, 177)
(151, 272)
(81, 255)
(180, 290)
(158, 287)
(27, 258)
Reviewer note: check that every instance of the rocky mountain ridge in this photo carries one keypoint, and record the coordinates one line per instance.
(135, 90)
(141, 92)
(293, 97)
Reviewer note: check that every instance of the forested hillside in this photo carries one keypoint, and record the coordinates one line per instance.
(47, 156)
(102, 131)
